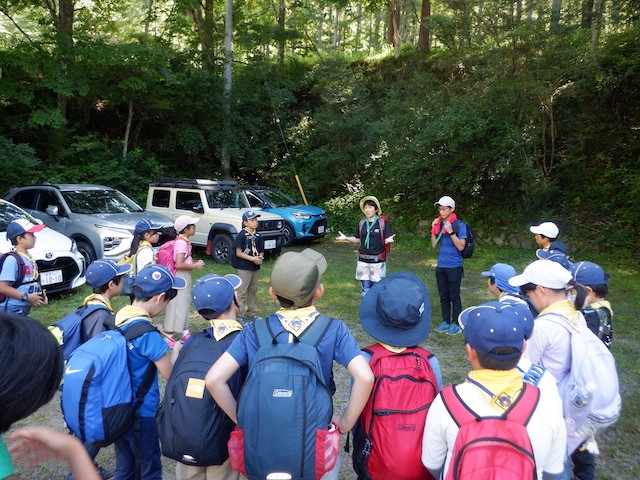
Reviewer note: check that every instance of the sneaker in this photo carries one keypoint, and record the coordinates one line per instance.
(170, 341)
(453, 329)
(186, 337)
(254, 317)
(243, 321)
(443, 327)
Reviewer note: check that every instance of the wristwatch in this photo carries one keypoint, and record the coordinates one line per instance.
(25, 297)
(452, 233)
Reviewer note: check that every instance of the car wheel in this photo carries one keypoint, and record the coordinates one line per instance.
(221, 248)
(87, 252)
(289, 235)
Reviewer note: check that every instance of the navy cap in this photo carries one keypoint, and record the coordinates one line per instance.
(554, 255)
(212, 294)
(496, 324)
(102, 271)
(145, 225)
(155, 279)
(589, 273)
(22, 226)
(248, 215)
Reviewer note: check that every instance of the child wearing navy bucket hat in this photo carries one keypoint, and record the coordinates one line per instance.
(396, 312)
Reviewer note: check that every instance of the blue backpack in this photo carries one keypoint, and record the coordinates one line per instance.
(69, 330)
(285, 409)
(192, 428)
(98, 401)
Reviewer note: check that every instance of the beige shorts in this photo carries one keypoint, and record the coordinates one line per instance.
(371, 271)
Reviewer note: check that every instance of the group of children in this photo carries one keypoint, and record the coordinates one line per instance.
(395, 311)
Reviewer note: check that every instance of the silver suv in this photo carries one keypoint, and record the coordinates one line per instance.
(219, 205)
(100, 219)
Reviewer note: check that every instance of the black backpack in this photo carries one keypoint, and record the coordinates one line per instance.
(467, 251)
(192, 428)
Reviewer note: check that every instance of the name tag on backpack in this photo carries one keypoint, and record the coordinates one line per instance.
(195, 388)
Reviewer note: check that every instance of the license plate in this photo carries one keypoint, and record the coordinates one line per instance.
(321, 229)
(269, 244)
(54, 276)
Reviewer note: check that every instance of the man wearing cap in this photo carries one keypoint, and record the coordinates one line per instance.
(19, 298)
(214, 297)
(449, 270)
(397, 314)
(494, 341)
(295, 284)
(546, 234)
(247, 255)
(373, 234)
(153, 288)
(176, 317)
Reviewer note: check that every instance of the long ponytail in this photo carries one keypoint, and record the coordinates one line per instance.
(581, 294)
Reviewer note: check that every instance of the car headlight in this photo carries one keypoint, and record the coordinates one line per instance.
(301, 216)
(74, 246)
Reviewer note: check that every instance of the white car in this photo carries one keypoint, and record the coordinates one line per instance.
(60, 265)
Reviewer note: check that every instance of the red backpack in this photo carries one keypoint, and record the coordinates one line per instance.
(492, 448)
(382, 222)
(387, 439)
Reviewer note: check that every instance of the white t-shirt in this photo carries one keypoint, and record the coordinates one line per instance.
(145, 256)
(546, 430)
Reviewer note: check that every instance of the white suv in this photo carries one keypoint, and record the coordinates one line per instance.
(219, 205)
(100, 219)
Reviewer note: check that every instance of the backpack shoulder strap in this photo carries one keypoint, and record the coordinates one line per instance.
(459, 411)
(314, 332)
(262, 332)
(21, 267)
(136, 330)
(524, 406)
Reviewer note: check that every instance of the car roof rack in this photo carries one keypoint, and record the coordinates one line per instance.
(192, 182)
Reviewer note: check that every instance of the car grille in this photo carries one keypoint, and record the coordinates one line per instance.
(319, 223)
(69, 271)
(268, 225)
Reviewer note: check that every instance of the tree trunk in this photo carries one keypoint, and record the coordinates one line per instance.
(281, 41)
(127, 132)
(226, 94)
(556, 8)
(587, 14)
(423, 36)
(596, 26)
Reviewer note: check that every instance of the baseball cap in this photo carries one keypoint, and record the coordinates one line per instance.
(212, 294)
(22, 226)
(397, 310)
(155, 279)
(496, 324)
(589, 273)
(545, 273)
(501, 273)
(446, 202)
(296, 275)
(183, 221)
(248, 215)
(146, 224)
(374, 200)
(548, 229)
(102, 271)
(555, 256)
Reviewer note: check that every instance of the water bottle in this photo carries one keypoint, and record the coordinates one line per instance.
(579, 408)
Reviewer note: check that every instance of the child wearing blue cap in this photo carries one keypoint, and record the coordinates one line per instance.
(247, 255)
(598, 313)
(154, 287)
(145, 235)
(494, 342)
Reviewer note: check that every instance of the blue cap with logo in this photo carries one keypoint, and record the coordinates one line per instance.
(155, 279)
(212, 294)
(145, 225)
(501, 273)
(248, 215)
(496, 324)
(589, 273)
(102, 271)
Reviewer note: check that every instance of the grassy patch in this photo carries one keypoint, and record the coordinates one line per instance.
(619, 444)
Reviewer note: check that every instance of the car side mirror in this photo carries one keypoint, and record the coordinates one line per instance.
(53, 211)
(198, 209)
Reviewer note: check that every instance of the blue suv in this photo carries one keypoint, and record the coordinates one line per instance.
(302, 222)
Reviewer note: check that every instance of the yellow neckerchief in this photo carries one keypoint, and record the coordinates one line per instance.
(296, 320)
(96, 298)
(602, 304)
(252, 239)
(26, 256)
(567, 310)
(223, 327)
(130, 312)
(501, 387)
(393, 349)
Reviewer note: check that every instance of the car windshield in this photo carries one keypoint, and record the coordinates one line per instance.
(276, 197)
(99, 201)
(9, 213)
(226, 199)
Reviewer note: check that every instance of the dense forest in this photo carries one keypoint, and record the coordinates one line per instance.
(522, 111)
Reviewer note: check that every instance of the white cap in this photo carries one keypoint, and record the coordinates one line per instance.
(183, 221)
(545, 273)
(446, 202)
(548, 229)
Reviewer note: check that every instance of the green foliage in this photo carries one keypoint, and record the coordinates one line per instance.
(16, 160)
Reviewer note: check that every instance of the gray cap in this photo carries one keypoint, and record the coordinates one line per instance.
(296, 275)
